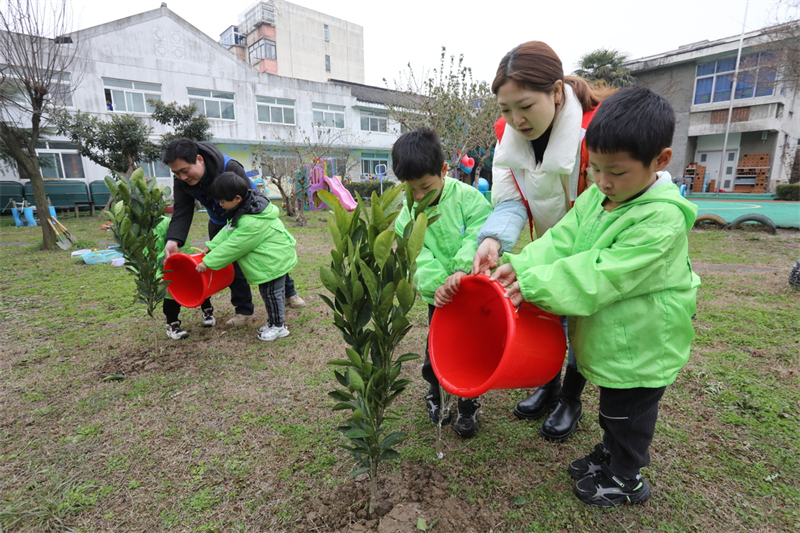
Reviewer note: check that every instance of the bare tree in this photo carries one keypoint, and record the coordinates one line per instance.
(783, 37)
(284, 161)
(461, 110)
(37, 57)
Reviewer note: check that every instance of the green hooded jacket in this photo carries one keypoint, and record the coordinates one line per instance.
(259, 242)
(451, 241)
(624, 279)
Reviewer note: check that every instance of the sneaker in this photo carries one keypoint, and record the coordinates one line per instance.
(238, 320)
(175, 332)
(208, 317)
(605, 489)
(295, 302)
(591, 464)
(434, 402)
(273, 333)
(466, 424)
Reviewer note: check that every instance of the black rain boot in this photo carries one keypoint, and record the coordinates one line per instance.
(565, 417)
(536, 405)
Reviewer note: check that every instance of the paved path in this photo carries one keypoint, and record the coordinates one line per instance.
(784, 214)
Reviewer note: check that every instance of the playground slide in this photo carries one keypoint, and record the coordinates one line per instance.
(338, 190)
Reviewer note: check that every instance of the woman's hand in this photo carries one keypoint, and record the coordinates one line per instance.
(486, 257)
(444, 294)
(201, 267)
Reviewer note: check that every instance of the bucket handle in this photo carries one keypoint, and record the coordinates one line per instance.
(210, 278)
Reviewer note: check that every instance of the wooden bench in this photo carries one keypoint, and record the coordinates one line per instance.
(86, 202)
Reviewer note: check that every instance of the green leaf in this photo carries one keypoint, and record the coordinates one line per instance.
(356, 433)
(359, 471)
(421, 525)
(355, 359)
(383, 246)
(407, 357)
(388, 455)
(356, 383)
(417, 238)
(519, 501)
(391, 440)
(114, 377)
(330, 280)
(405, 295)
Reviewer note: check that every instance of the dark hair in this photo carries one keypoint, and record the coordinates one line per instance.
(635, 120)
(227, 186)
(185, 149)
(416, 154)
(536, 67)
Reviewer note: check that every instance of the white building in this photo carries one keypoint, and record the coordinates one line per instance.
(765, 116)
(158, 55)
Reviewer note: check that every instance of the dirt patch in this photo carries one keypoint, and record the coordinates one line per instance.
(711, 267)
(140, 362)
(404, 497)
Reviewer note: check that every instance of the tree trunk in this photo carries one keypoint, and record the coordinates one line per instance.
(373, 487)
(42, 208)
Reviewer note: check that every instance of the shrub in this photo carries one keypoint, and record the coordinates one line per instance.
(365, 188)
(788, 192)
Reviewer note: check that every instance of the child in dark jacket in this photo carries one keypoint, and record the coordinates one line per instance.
(258, 241)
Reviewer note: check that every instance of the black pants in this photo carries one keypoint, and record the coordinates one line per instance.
(427, 369)
(274, 295)
(172, 309)
(241, 297)
(628, 418)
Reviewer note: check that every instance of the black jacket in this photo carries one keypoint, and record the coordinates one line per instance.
(185, 195)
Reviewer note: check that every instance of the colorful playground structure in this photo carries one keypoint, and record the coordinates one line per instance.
(321, 181)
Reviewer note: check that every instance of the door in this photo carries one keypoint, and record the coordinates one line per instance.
(711, 160)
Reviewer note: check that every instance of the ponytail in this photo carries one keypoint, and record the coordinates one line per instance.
(589, 95)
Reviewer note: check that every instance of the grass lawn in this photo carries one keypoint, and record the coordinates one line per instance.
(224, 433)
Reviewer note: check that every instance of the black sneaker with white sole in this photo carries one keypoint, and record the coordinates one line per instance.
(591, 464)
(175, 332)
(208, 317)
(466, 424)
(434, 402)
(605, 489)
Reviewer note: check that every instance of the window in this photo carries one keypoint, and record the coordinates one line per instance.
(326, 33)
(328, 115)
(213, 104)
(231, 37)
(275, 110)
(58, 160)
(373, 121)
(327, 63)
(156, 169)
(61, 92)
(262, 49)
(756, 77)
(130, 96)
(371, 160)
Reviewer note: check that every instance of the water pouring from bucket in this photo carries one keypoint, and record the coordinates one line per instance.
(480, 341)
(189, 287)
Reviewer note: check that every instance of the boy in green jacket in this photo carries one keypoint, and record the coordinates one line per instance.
(171, 308)
(255, 238)
(618, 265)
(449, 247)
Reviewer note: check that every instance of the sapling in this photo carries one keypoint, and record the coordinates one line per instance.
(371, 278)
(137, 208)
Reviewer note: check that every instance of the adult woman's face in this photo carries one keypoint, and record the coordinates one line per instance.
(528, 112)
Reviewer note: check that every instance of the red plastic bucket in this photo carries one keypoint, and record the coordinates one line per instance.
(480, 342)
(188, 286)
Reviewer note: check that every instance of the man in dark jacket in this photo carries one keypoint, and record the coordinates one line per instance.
(195, 165)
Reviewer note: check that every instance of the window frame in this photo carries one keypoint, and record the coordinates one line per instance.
(276, 103)
(755, 70)
(327, 63)
(262, 45)
(376, 116)
(145, 90)
(325, 110)
(44, 148)
(215, 97)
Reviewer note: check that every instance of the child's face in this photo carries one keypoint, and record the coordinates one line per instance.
(230, 204)
(428, 182)
(621, 177)
(528, 112)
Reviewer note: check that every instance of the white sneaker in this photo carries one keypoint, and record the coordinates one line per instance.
(295, 302)
(175, 332)
(272, 333)
(238, 320)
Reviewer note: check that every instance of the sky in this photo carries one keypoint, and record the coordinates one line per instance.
(399, 32)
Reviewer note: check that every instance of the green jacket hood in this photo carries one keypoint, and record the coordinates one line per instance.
(664, 190)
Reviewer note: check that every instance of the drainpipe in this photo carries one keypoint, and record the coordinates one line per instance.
(730, 107)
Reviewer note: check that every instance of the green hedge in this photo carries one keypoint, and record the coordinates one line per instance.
(788, 193)
(365, 188)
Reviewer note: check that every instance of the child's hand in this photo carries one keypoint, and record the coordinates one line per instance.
(201, 267)
(508, 279)
(444, 294)
(486, 257)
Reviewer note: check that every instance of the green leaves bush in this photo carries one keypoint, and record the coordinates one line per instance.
(789, 192)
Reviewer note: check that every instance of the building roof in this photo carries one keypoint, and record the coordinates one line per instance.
(701, 50)
(373, 95)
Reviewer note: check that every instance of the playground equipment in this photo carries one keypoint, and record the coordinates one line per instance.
(483, 185)
(188, 286)
(480, 342)
(319, 181)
